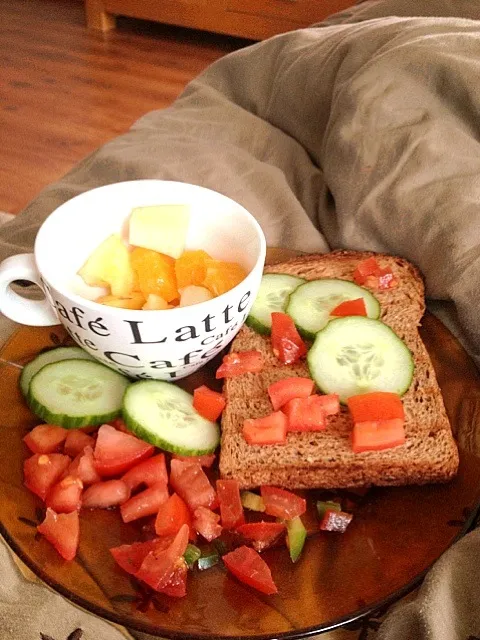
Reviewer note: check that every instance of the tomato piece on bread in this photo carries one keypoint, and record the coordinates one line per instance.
(238, 363)
(376, 405)
(284, 390)
(271, 429)
(287, 343)
(377, 435)
(208, 403)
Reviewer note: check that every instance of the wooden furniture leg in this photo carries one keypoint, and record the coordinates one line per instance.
(97, 17)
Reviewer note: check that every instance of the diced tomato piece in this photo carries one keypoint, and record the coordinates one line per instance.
(249, 567)
(159, 566)
(176, 587)
(271, 429)
(282, 503)
(189, 480)
(206, 523)
(377, 435)
(283, 391)
(329, 402)
(106, 494)
(83, 467)
(287, 344)
(148, 472)
(208, 403)
(66, 495)
(231, 508)
(42, 470)
(305, 414)
(62, 530)
(46, 438)
(350, 308)
(376, 405)
(365, 268)
(146, 503)
(171, 516)
(262, 534)
(335, 521)
(236, 364)
(130, 556)
(115, 452)
(76, 442)
(204, 461)
(119, 424)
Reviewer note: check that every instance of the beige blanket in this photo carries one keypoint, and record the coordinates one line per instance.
(362, 132)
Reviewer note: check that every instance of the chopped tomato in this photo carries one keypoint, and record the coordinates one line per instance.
(262, 534)
(249, 567)
(146, 503)
(231, 508)
(106, 494)
(206, 523)
(42, 470)
(305, 414)
(76, 442)
(176, 587)
(148, 472)
(171, 516)
(66, 495)
(119, 424)
(350, 308)
(334, 520)
(269, 430)
(189, 480)
(282, 391)
(369, 273)
(204, 461)
(329, 402)
(377, 435)
(83, 467)
(287, 344)
(131, 556)
(282, 503)
(236, 364)
(46, 438)
(208, 403)
(62, 530)
(116, 452)
(159, 566)
(377, 405)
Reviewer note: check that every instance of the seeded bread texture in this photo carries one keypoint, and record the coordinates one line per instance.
(325, 459)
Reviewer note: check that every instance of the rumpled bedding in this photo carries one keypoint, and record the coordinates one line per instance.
(362, 132)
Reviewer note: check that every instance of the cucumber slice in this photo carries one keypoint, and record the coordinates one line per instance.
(355, 355)
(161, 413)
(53, 355)
(273, 294)
(77, 393)
(310, 304)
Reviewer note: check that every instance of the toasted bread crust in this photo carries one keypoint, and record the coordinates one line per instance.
(325, 459)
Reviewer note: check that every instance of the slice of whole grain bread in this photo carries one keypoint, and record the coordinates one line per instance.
(325, 459)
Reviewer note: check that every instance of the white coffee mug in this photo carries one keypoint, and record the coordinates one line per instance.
(167, 344)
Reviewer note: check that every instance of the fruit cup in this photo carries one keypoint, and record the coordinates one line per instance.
(164, 344)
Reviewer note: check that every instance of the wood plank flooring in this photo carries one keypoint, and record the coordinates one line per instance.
(65, 90)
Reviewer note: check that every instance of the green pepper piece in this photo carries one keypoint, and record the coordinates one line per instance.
(191, 555)
(296, 536)
(208, 559)
(252, 501)
(329, 505)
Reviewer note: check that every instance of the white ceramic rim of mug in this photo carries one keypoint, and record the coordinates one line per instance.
(119, 311)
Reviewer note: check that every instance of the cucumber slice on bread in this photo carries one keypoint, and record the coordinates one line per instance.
(53, 355)
(76, 393)
(275, 289)
(161, 413)
(310, 304)
(355, 355)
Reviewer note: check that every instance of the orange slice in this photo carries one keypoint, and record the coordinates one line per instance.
(191, 268)
(223, 276)
(156, 273)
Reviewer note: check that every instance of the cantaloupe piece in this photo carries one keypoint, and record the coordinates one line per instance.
(109, 266)
(194, 295)
(156, 303)
(162, 228)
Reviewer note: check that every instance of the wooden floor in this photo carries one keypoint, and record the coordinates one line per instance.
(64, 91)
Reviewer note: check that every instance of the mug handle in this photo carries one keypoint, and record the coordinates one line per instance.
(38, 313)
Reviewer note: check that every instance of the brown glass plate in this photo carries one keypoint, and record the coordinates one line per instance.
(395, 536)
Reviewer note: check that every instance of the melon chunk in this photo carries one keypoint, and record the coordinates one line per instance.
(109, 266)
(156, 303)
(194, 295)
(162, 228)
